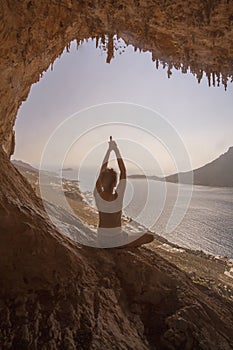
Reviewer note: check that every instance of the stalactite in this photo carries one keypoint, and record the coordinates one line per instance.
(224, 81)
(177, 65)
(169, 72)
(199, 76)
(110, 48)
(213, 78)
(97, 41)
(153, 56)
(218, 79)
(68, 47)
(184, 68)
(103, 40)
(208, 77)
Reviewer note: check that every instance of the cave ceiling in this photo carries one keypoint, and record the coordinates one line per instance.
(192, 36)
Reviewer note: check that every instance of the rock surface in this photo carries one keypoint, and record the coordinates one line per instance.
(54, 293)
(195, 35)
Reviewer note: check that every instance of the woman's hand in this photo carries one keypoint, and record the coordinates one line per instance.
(112, 144)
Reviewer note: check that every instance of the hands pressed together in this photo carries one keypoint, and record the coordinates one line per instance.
(112, 145)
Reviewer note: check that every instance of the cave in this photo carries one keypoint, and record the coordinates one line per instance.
(55, 293)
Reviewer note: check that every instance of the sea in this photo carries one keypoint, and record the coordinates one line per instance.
(201, 217)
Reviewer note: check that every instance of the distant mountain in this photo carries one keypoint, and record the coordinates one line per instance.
(25, 166)
(142, 176)
(218, 173)
(67, 169)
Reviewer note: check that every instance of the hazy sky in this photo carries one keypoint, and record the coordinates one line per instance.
(201, 115)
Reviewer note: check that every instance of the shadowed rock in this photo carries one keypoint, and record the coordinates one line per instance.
(56, 294)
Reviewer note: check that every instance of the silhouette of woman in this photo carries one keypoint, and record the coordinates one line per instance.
(109, 201)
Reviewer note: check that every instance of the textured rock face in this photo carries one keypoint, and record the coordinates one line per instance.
(193, 34)
(58, 295)
(55, 294)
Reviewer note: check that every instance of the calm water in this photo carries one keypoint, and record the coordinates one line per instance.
(207, 224)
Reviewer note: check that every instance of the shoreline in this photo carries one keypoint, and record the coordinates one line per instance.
(151, 177)
(206, 270)
(212, 272)
(159, 237)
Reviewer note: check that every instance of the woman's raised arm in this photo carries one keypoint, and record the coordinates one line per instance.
(103, 167)
(121, 164)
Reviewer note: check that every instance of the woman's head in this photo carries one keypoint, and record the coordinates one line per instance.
(108, 179)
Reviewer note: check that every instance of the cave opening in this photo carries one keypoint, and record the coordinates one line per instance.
(55, 293)
(81, 81)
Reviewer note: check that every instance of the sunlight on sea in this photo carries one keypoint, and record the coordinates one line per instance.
(207, 224)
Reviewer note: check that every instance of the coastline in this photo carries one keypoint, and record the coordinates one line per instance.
(210, 272)
(156, 178)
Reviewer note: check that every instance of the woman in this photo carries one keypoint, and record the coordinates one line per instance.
(109, 201)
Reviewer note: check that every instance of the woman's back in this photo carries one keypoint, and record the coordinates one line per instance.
(110, 206)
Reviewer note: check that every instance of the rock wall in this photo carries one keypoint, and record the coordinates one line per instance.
(195, 35)
(55, 294)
